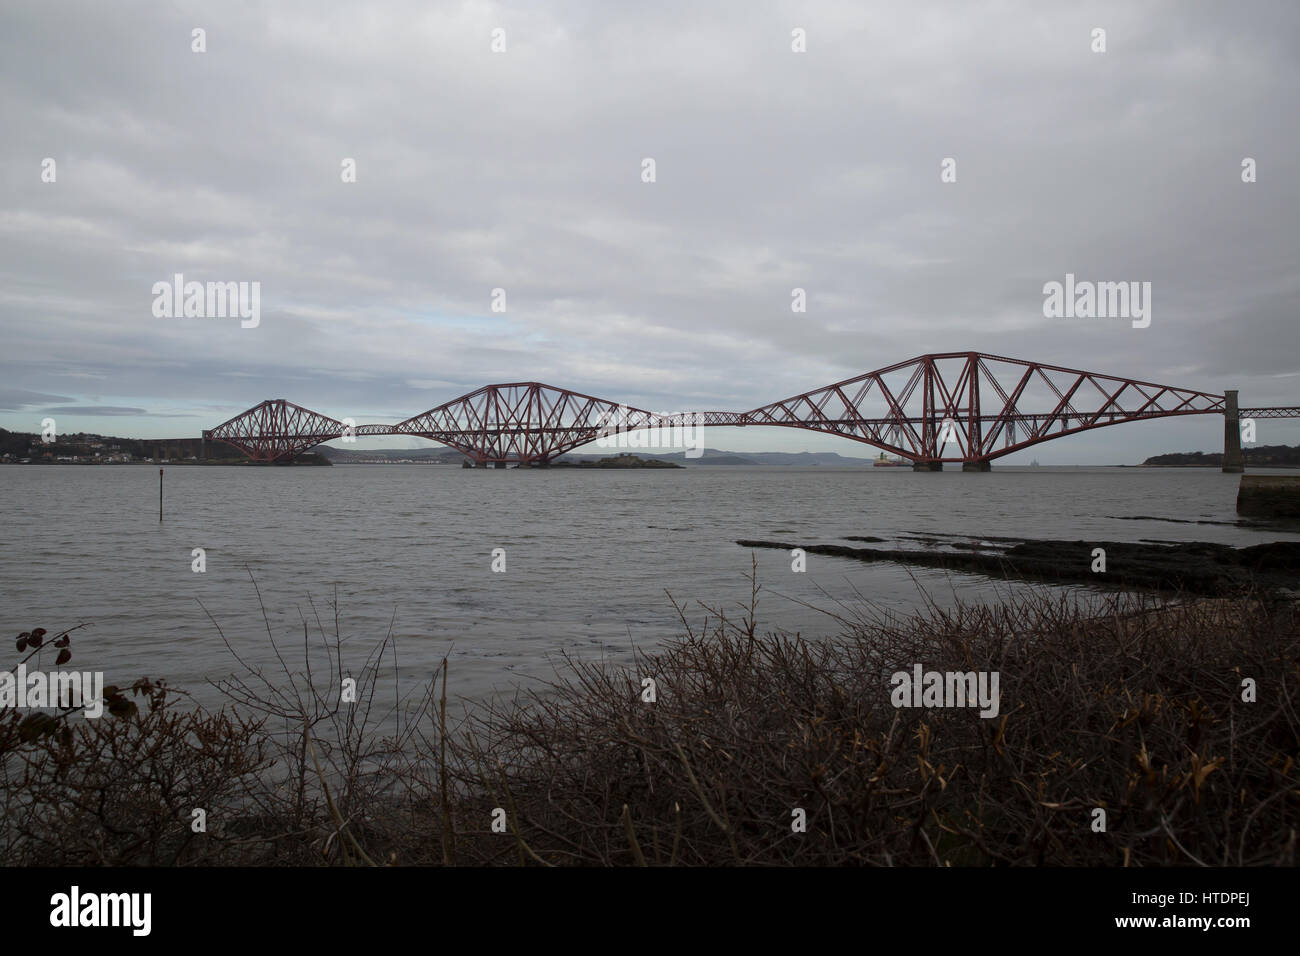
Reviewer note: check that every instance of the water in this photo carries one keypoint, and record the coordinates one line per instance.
(589, 554)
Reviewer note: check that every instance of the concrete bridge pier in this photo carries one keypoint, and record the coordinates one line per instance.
(976, 466)
(498, 464)
(1233, 461)
(927, 466)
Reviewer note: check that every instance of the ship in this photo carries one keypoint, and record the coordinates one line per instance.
(883, 462)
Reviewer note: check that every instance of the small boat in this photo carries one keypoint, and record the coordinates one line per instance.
(883, 462)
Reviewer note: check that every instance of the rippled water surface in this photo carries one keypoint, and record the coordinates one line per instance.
(589, 554)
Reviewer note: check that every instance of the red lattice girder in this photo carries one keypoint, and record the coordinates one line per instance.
(904, 408)
(276, 430)
(949, 407)
(528, 421)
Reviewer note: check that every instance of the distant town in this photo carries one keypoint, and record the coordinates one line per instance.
(86, 448)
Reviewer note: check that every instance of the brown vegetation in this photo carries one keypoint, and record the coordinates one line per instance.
(1139, 712)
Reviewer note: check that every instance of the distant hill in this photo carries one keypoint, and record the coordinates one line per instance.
(711, 456)
(1262, 456)
(429, 455)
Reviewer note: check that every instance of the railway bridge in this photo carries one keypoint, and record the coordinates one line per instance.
(965, 408)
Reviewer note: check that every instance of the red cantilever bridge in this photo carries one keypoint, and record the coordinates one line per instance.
(965, 407)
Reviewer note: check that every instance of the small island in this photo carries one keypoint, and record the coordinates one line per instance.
(624, 460)
(1260, 456)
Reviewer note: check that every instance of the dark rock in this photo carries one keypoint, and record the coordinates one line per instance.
(1195, 567)
(1269, 496)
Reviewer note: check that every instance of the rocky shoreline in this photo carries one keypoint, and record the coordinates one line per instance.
(1195, 567)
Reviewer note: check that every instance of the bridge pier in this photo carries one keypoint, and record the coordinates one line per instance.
(927, 466)
(1233, 461)
(480, 464)
(498, 464)
(976, 466)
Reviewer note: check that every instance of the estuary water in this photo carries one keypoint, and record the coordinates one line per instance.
(591, 557)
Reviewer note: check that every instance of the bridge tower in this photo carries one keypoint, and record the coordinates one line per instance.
(1233, 460)
(929, 435)
(974, 423)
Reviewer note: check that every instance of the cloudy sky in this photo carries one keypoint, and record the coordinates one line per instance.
(522, 170)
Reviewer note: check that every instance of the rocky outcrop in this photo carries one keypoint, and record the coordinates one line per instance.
(1269, 496)
(1192, 567)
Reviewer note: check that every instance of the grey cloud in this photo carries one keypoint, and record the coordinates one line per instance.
(17, 399)
(521, 171)
(94, 410)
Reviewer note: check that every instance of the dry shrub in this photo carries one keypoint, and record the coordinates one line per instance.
(1138, 711)
(119, 789)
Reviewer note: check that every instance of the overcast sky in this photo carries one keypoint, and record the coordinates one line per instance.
(522, 170)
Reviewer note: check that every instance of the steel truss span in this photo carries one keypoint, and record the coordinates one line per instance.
(966, 407)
